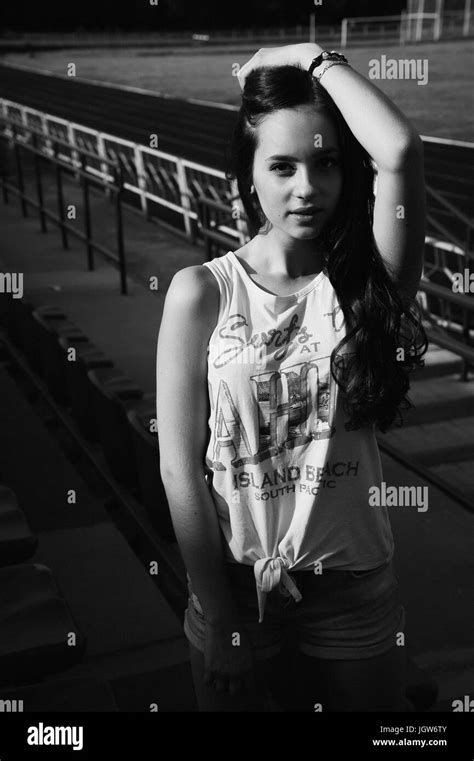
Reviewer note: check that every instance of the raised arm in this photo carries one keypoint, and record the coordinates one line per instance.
(189, 316)
(390, 140)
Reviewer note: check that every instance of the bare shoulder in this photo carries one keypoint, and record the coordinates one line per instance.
(195, 290)
(193, 284)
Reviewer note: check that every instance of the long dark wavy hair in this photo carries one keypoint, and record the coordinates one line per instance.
(389, 338)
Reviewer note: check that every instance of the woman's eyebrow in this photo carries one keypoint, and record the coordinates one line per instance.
(319, 151)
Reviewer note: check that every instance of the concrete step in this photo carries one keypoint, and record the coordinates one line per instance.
(444, 448)
(438, 362)
(436, 442)
(459, 473)
(440, 398)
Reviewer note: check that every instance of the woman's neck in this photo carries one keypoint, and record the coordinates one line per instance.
(293, 258)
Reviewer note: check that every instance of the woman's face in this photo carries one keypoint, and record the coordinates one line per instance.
(297, 164)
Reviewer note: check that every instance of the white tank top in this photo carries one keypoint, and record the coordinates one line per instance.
(290, 484)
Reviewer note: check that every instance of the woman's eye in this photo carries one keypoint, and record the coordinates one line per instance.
(332, 161)
(281, 167)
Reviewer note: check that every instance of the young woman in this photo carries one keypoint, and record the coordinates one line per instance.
(276, 363)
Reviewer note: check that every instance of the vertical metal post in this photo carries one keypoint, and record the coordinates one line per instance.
(104, 167)
(87, 216)
(76, 159)
(437, 21)
(184, 193)
(59, 186)
(141, 177)
(5, 147)
(121, 252)
(39, 185)
(45, 127)
(419, 20)
(19, 170)
(467, 19)
(3, 169)
(344, 33)
(402, 27)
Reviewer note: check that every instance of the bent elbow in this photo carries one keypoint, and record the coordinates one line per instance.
(410, 150)
(405, 152)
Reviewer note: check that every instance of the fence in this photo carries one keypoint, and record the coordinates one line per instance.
(197, 201)
(161, 184)
(199, 36)
(40, 153)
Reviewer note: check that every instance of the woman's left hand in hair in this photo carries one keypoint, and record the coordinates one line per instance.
(300, 54)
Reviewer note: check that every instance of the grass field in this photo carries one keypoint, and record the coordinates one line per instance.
(444, 107)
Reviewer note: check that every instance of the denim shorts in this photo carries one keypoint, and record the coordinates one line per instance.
(343, 614)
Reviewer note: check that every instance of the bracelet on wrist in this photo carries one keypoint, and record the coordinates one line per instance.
(322, 61)
(319, 72)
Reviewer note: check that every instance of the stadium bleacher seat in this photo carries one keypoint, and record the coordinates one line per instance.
(17, 541)
(88, 357)
(110, 392)
(36, 626)
(16, 316)
(45, 353)
(17, 320)
(147, 455)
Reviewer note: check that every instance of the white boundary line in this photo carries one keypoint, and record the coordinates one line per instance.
(446, 141)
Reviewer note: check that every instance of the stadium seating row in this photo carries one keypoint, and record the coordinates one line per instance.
(39, 636)
(35, 619)
(108, 407)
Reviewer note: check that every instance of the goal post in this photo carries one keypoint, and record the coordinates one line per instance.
(454, 17)
(405, 26)
(357, 27)
(421, 20)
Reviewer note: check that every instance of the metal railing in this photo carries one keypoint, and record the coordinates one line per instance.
(189, 192)
(437, 332)
(453, 212)
(161, 184)
(87, 179)
(168, 187)
(215, 229)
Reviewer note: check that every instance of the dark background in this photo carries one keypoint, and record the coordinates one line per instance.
(129, 15)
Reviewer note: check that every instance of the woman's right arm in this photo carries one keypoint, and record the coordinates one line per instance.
(189, 317)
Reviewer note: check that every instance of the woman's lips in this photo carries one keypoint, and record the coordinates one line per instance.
(306, 216)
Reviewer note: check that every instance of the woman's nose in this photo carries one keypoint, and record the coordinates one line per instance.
(306, 183)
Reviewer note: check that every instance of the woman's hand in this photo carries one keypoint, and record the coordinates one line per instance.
(228, 666)
(302, 54)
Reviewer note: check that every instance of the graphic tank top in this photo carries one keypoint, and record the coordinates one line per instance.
(289, 482)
